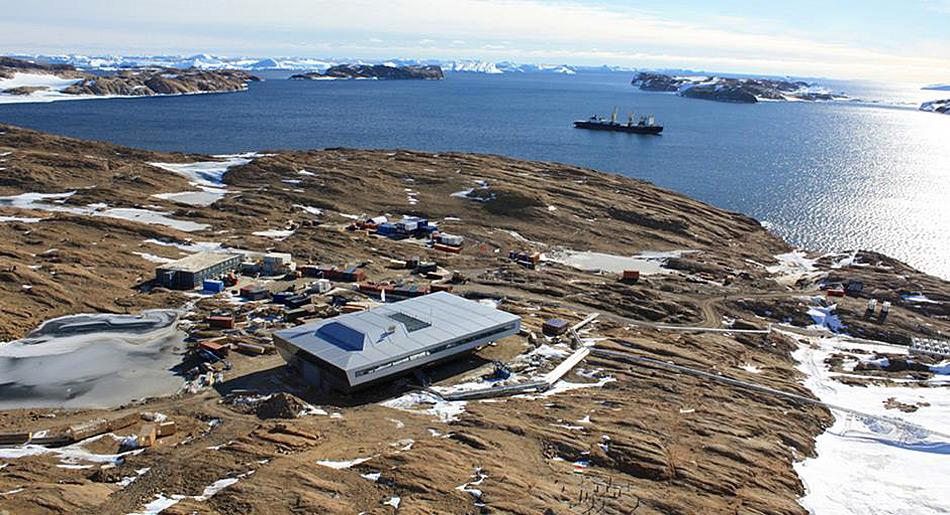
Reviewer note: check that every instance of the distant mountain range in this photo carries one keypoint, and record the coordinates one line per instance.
(212, 62)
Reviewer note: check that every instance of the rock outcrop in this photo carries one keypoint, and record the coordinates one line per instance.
(723, 89)
(936, 106)
(376, 71)
(617, 434)
(137, 82)
(162, 82)
(9, 66)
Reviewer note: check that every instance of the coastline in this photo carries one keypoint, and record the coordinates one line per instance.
(64, 97)
(833, 220)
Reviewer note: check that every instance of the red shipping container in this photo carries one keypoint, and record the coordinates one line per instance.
(447, 248)
(220, 322)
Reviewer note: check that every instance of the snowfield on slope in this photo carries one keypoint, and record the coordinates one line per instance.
(868, 466)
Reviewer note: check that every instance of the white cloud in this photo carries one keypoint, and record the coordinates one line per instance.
(504, 29)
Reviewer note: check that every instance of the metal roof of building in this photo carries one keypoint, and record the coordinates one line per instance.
(197, 262)
(384, 333)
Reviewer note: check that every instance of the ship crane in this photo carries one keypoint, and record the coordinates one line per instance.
(642, 124)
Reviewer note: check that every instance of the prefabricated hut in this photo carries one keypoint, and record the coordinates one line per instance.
(190, 272)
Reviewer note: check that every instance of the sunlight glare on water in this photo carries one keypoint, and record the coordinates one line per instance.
(892, 192)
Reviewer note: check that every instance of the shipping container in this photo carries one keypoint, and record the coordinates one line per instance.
(451, 239)
(255, 293)
(447, 248)
(88, 429)
(215, 348)
(297, 301)
(554, 327)
(213, 286)
(124, 421)
(220, 322)
(166, 428)
(630, 276)
(281, 297)
(425, 267)
(386, 229)
(352, 308)
(147, 435)
(298, 313)
(18, 438)
(250, 348)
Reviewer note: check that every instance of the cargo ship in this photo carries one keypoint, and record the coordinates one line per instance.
(644, 125)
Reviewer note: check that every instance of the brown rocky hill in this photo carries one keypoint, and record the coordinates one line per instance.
(138, 82)
(624, 438)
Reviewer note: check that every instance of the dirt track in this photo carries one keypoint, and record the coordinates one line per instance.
(673, 444)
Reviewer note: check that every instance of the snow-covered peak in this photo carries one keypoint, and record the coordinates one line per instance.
(216, 62)
(469, 66)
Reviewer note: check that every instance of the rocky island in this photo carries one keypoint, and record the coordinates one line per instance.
(724, 89)
(85, 224)
(936, 106)
(22, 81)
(375, 72)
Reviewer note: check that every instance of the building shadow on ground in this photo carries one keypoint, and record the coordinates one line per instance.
(284, 379)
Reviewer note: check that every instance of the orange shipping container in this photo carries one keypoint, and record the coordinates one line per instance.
(220, 350)
(352, 308)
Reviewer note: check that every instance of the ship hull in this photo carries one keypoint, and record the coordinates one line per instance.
(619, 127)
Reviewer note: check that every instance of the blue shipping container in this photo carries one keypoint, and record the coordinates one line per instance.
(212, 286)
(386, 229)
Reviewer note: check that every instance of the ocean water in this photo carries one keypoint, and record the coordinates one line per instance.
(873, 174)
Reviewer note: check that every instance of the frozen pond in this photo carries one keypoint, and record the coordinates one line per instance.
(35, 201)
(202, 198)
(96, 360)
(648, 263)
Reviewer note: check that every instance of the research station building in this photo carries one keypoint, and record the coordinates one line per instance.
(188, 273)
(351, 351)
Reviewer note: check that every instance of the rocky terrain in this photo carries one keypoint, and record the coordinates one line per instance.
(374, 71)
(936, 106)
(9, 66)
(66, 81)
(723, 89)
(622, 438)
(163, 82)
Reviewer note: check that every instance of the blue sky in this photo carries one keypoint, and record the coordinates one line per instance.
(905, 40)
